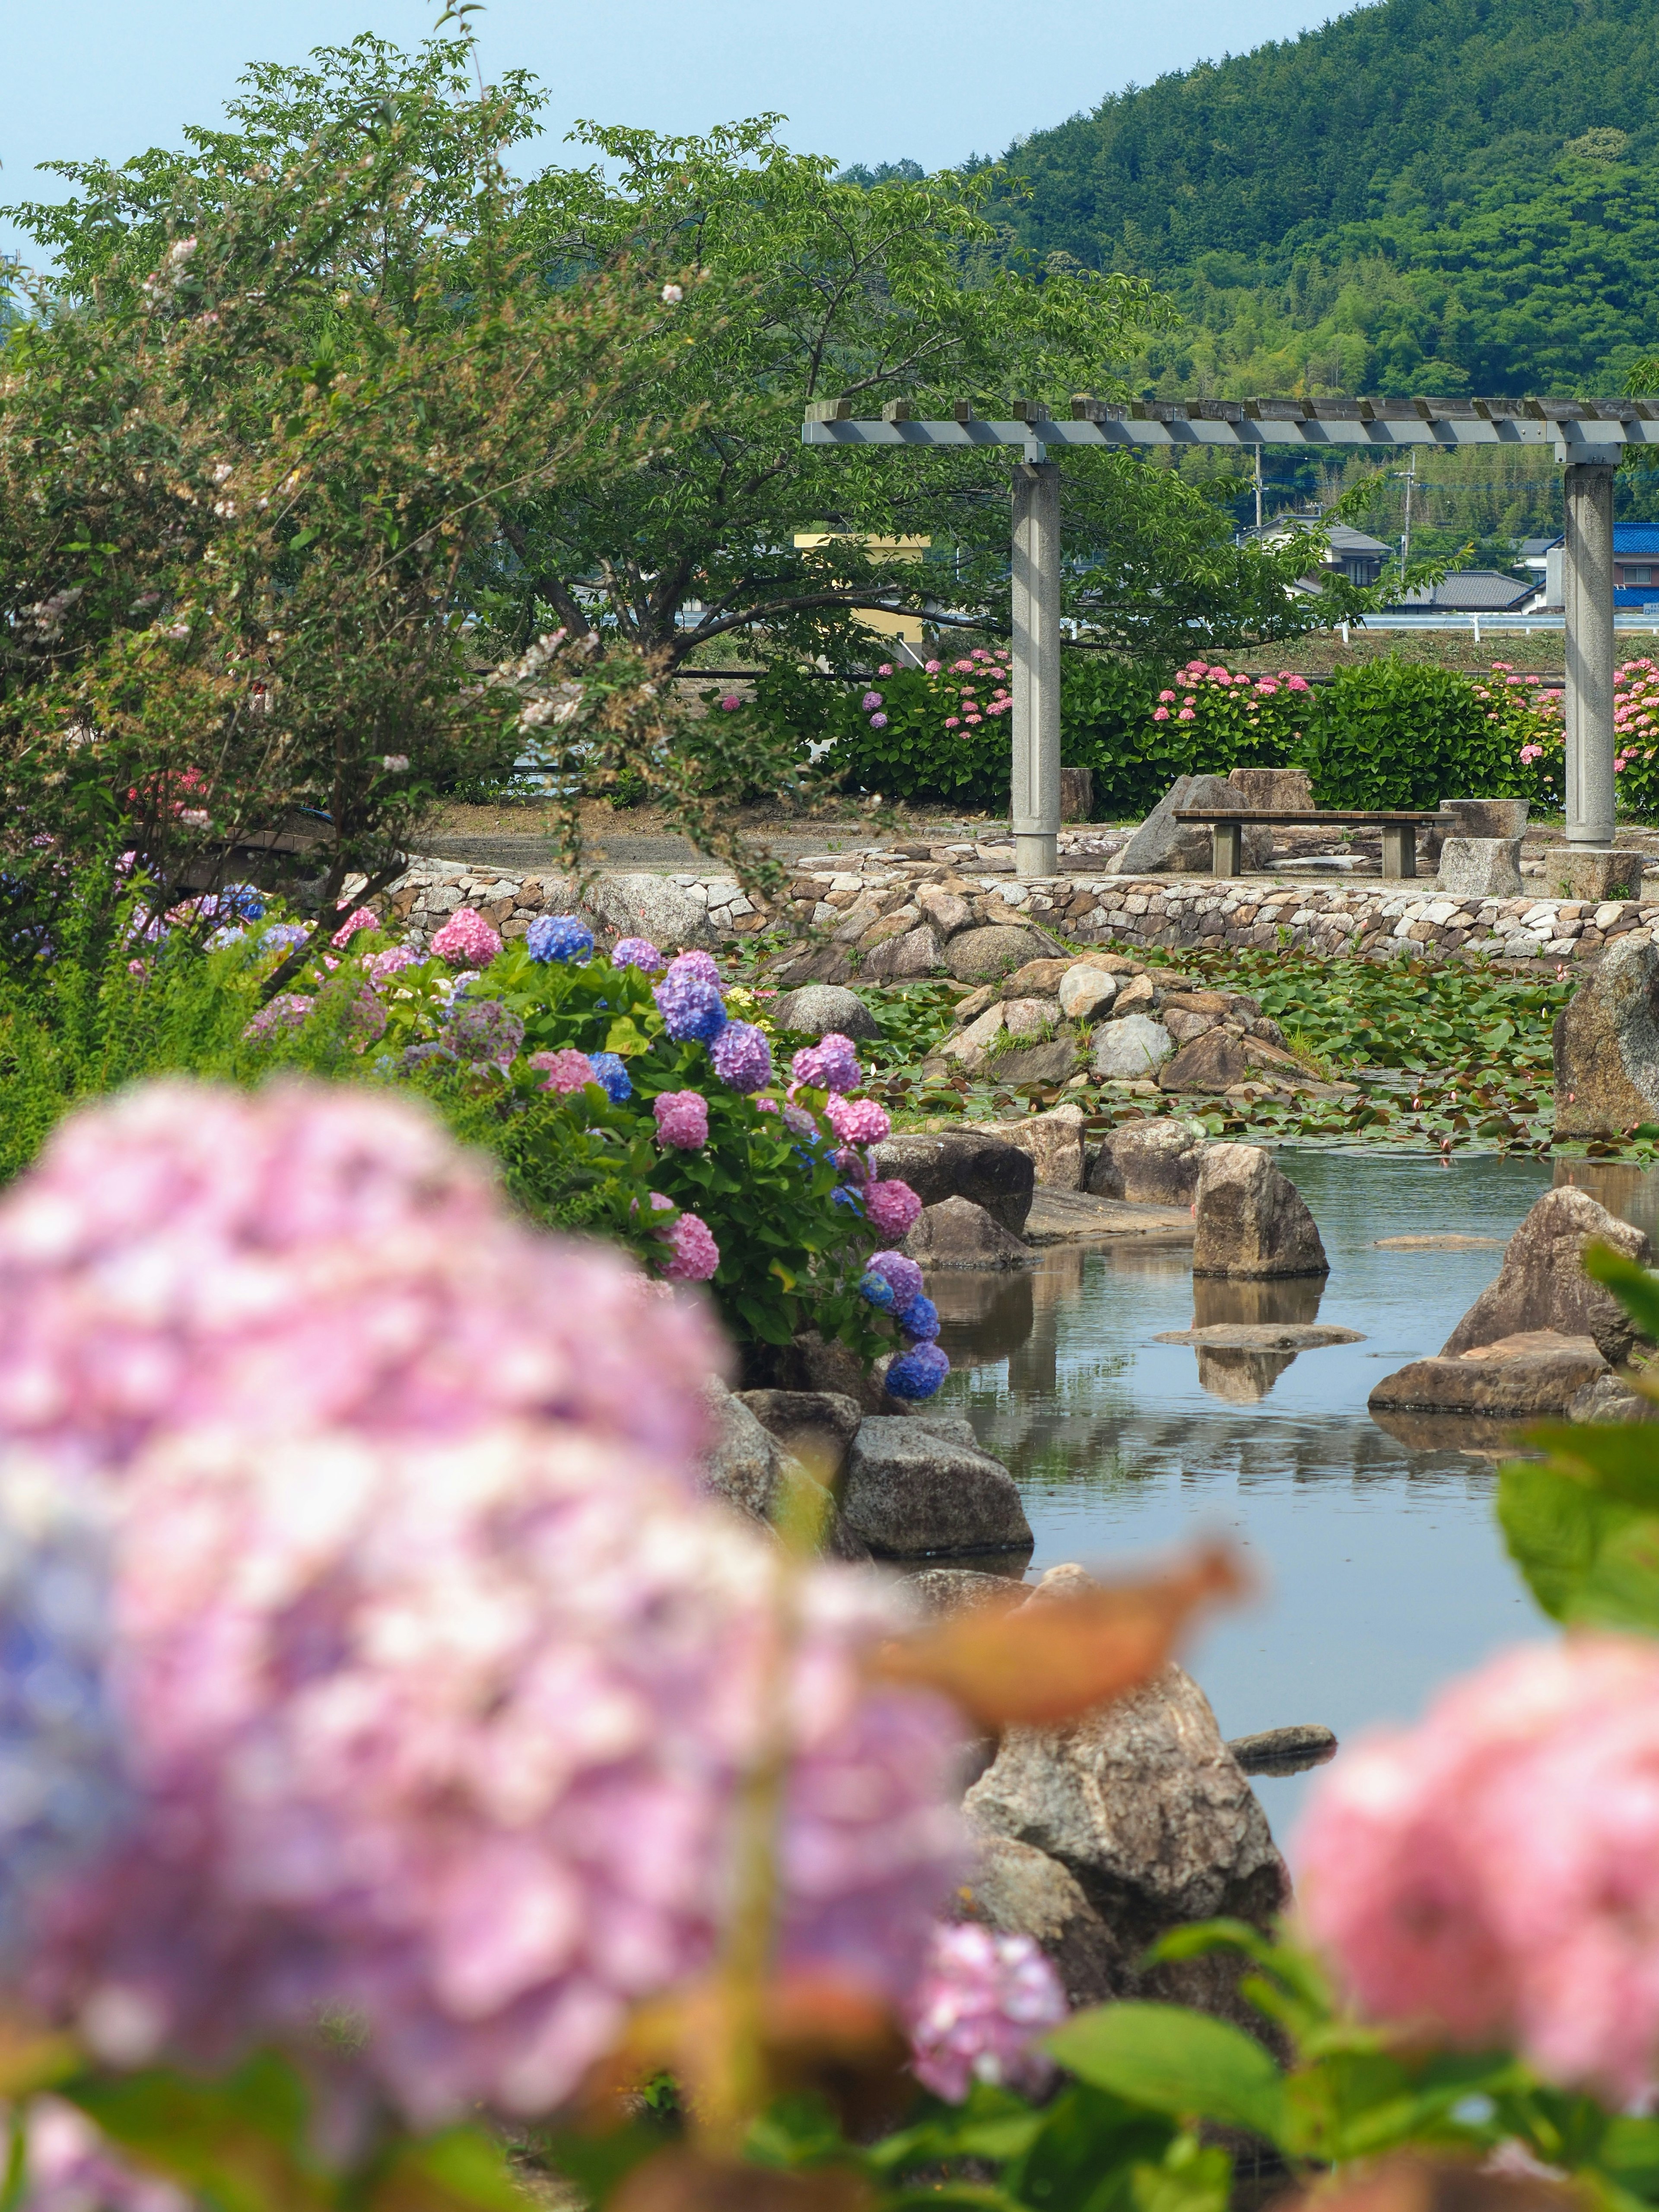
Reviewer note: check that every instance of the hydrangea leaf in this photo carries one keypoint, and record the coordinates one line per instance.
(1182, 2064)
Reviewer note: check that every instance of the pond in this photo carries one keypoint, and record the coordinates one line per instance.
(1381, 1568)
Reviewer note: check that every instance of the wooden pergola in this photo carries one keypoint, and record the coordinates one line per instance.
(1588, 437)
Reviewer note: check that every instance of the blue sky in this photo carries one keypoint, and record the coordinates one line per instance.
(862, 80)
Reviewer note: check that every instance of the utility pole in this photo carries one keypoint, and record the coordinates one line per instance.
(1410, 474)
(1258, 487)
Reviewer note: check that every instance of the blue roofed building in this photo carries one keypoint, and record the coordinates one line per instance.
(1635, 566)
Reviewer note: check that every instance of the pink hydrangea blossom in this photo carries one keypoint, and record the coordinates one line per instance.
(858, 1120)
(1493, 1874)
(466, 940)
(1160, 713)
(363, 917)
(694, 1255)
(307, 1256)
(450, 1734)
(381, 967)
(1164, 697)
(682, 1120)
(951, 722)
(565, 1070)
(933, 668)
(979, 2010)
(892, 1209)
(1186, 714)
(1295, 682)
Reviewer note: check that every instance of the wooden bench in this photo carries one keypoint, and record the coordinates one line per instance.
(1399, 831)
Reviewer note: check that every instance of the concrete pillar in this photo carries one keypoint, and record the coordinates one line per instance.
(1586, 600)
(1036, 669)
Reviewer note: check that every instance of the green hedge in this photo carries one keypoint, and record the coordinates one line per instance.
(1391, 733)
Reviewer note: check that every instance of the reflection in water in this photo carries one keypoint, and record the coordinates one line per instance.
(1381, 1564)
(1246, 1377)
(1631, 1191)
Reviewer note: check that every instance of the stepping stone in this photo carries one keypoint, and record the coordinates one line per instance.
(1262, 1336)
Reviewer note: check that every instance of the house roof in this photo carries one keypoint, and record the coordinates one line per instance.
(1631, 541)
(1468, 591)
(1344, 538)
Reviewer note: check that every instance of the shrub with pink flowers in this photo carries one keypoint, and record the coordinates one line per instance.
(598, 1083)
(1220, 719)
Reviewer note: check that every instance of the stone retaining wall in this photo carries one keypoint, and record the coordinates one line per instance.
(859, 898)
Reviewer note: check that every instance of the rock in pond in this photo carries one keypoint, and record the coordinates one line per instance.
(1055, 1141)
(816, 1427)
(995, 950)
(941, 1591)
(1261, 1336)
(1252, 1220)
(746, 1467)
(1285, 1750)
(1610, 1398)
(1520, 1378)
(1150, 1162)
(818, 1008)
(1052, 1062)
(963, 1163)
(913, 1488)
(957, 1233)
(1142, 1803)
(1542, 1285)
(1607, 1045)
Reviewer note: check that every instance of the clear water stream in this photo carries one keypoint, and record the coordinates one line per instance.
(1381, 1566)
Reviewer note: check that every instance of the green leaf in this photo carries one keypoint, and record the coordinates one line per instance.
(239, 2140)
(1183, 2064)
(462, 2168)
(1555, 1528)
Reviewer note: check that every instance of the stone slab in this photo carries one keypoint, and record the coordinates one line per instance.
(1074, 1217)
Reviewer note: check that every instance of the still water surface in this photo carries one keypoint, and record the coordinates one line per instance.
(1381, 1569)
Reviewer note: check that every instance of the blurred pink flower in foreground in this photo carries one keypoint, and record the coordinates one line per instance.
(308, 1257)
(978, 2011)
(1493, 1876)
(436, 1679)
(70, 2167)
(452, 1734)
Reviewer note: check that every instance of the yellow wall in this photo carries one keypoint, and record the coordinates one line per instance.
(909, 627)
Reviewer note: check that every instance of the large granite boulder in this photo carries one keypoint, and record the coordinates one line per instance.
(816, 1427)
(996, 949)
(1250, 1220)
(901, 958)
(1017, 1890)
(1607, 1045)
(1051, 1062)
(1521, 1378)
(1214, 1061)
(1134, 1045)
(948, 911)
(1542, 1284)
(963, 1163)
(748, 1468)
(819, 1008)
(1087, 992)
(1481, 867)
(1163, 846)
(1141, 1802)
(1150, 1162)
(918, 1486)
(1055, 1141)
(655, 907)
(958, 1234)
(940, 1591)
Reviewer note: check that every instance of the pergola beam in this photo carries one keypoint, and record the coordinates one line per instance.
(1588, 437)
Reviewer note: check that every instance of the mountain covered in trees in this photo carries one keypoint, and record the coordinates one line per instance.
(1436, 195)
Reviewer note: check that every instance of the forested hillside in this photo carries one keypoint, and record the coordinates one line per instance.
(1426, 195)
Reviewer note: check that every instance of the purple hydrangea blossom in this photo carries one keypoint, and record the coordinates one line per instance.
(697, 963)
(979, 2011)
(558, 937)
(900, 1272)
(858, 1120)
(691, 1007)
(287, 1011)
(381, 967)
(831, 1064)
(483, 1030)
(918, 1372)
(637, 952)
(283, 936)
(742, 1057)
